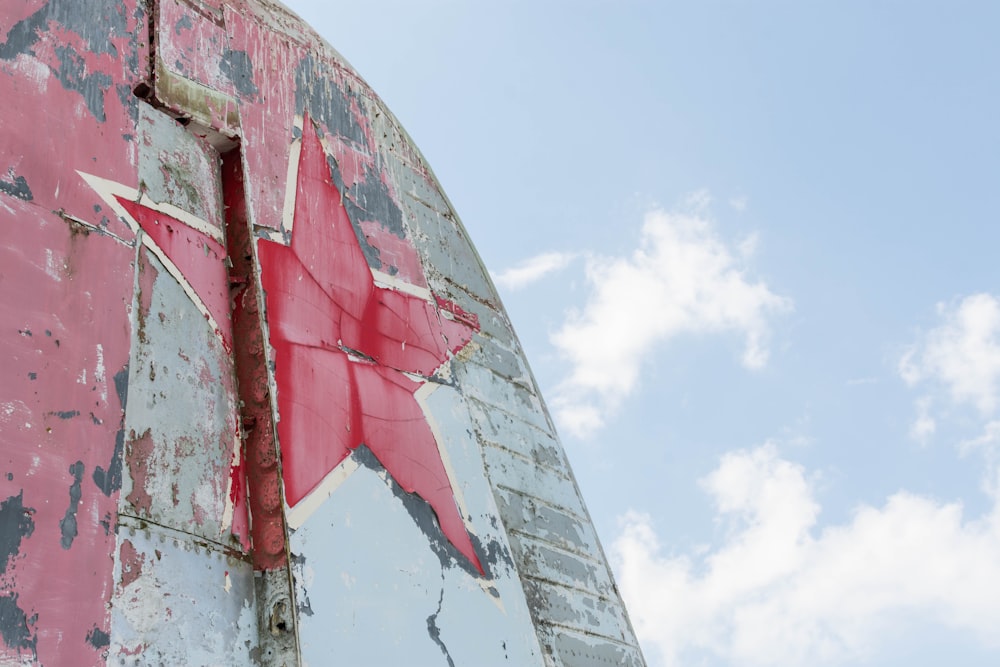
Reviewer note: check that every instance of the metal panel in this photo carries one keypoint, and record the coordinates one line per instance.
(180, 602)
(266, 413)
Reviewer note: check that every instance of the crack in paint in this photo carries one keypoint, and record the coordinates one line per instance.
(434, 631)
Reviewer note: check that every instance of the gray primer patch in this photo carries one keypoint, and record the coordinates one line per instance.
(375, 204)
(111, 479)
(183, 24)
(370, 200)
(98, 638)
(72, 74)
(15, 524)
(317, 93)
(14, 625)
(96, 21)
(131, 104)
(371, 253)
(68, 523)
(23, 35)
(236, 66)
(16, 187)
(66, 414)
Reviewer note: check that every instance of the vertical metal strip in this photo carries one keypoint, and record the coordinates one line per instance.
(275, 591)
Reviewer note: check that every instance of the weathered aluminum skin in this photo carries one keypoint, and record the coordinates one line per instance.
(261, 402)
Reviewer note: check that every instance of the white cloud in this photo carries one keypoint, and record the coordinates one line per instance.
(988, 441)
(779, 591)
(533, 269)
(988, 445)
(962, 354)
(683, 278)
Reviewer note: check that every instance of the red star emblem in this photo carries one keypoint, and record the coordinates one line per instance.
(352, 357)
(350, 354)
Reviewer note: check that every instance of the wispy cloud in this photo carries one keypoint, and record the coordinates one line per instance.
(959, 358)
(739, 204)
(962, 354)
(533, 269)
(683, 278)
(778, 591)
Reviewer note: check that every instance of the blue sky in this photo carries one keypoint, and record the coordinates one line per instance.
(751, 252)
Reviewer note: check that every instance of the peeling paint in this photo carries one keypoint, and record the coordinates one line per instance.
(98, 638)
(16, 524)
(14, 626)
(236, 66)
(95, 21)
(131, 563)
(138, 454)
(357, 346)
(325, 429)
(17, 186)
(68, 525)
(109, 479)
(73, 75)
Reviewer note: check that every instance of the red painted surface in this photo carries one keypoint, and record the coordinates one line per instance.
(64, 332)
(266, 118)
(343, 349)
(58, 407)
(198, 257)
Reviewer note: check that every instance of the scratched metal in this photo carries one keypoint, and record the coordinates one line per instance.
(179, 564)
(179, 603)
(367, 400)
(180, 423)
(176, 168)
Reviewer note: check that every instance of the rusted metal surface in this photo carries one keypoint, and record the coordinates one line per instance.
(261, 404)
